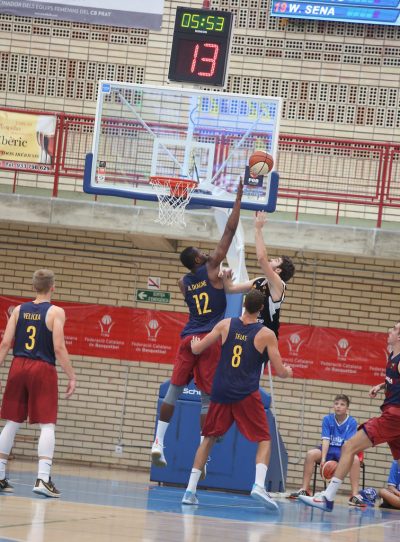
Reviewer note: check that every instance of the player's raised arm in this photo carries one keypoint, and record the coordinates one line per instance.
(276, 285)
(221, 250)
(220, 331)
(231, 288)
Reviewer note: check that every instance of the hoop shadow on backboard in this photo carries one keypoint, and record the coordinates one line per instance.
(143, 131)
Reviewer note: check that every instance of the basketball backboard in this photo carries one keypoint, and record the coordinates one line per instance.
(143, 131)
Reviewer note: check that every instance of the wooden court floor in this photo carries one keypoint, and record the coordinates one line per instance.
(107, 505)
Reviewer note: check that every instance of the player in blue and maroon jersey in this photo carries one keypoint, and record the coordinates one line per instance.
(203, 291)
(37, 329)
(384, 428)
(235, 396)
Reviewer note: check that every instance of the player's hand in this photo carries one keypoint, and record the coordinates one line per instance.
(373, 392)
(260, 219)
(70, 388)
(289, 371)
(195, 340)
(226, 273)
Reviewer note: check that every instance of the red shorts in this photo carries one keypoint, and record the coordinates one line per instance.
(385, 428)
(31, 391)
(201, 367)
(249, 415)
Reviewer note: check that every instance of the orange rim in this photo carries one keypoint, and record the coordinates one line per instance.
(178, 187)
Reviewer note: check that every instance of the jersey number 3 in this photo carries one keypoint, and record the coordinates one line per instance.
(31, 330)
(202, 303)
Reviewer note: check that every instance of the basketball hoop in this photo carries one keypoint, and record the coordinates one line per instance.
(173, 196)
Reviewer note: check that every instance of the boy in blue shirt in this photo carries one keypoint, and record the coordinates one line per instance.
(391, 494)
(336, 429)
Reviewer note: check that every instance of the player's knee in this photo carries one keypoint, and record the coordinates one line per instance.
(349, 447)
(314, 454)
(172, 394)
(47, 426)
(205, 403)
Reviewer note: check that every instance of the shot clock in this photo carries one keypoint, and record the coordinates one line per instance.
(200, 46)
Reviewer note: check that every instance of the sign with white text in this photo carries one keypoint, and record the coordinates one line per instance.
(132, 14)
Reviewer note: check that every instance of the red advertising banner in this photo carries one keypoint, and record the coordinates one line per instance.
(337, 355)
(125, 333)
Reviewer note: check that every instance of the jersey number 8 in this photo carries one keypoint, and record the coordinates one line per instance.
(237, 352)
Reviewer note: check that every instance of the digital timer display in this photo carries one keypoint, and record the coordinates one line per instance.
(200, 46)
(352, 11)
(196, 21)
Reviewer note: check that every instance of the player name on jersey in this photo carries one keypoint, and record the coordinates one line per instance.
(196, 286)
(31, 316)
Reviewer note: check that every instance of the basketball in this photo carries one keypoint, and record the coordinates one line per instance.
(328, 470)
(261, 163)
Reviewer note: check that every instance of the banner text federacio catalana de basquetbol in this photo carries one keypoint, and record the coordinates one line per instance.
(146, 335)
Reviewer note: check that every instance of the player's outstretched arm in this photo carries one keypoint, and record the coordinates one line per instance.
(275, 282)
(231, 288)
(220, 331)
(60, 349)
(9, 334)
(221, 250)
(270, 342)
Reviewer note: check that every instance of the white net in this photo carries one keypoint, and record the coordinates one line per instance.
(173, 196)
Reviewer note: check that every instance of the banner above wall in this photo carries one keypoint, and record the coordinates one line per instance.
(132, 14)
(145, 335)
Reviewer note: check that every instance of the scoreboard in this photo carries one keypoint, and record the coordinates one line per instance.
(351, 11)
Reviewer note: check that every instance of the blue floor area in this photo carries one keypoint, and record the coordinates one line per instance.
(213, 504)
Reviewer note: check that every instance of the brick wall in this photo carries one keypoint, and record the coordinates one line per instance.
(94, 267)
(335, 79)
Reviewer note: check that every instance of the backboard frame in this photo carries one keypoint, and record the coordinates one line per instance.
(220, 197)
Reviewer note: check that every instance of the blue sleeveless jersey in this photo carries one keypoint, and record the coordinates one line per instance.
(239, 368)
(32, 337)
(206, 304)
(392, 381)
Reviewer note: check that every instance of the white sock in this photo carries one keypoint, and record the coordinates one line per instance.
(7, 437)
(333, 488)
(46, 444)
(161, 430)
(193, 480)
(3, 465)
(261, 474)
(44, 469)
